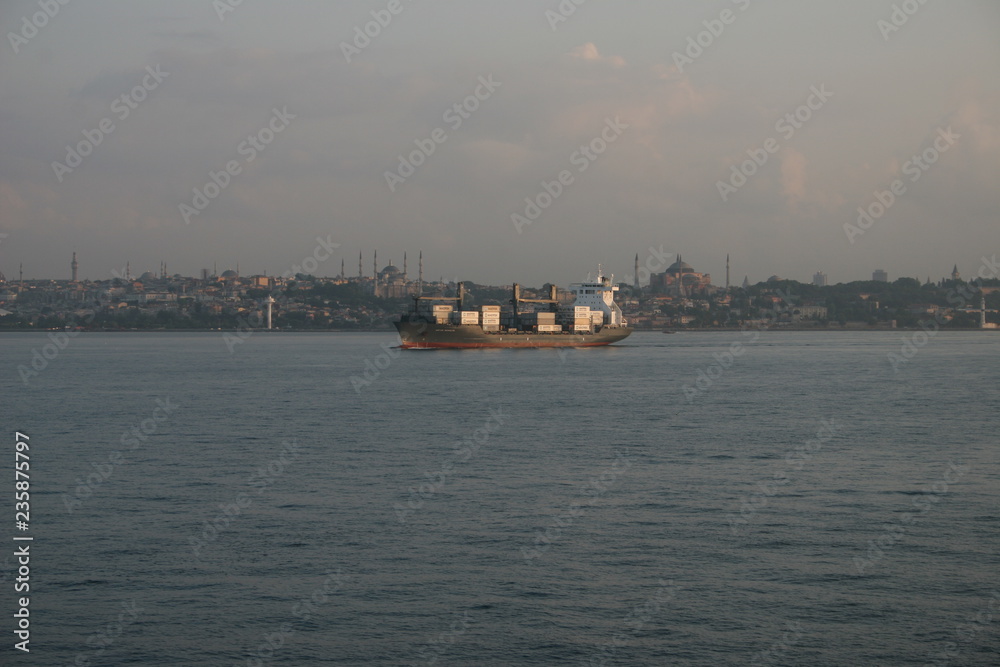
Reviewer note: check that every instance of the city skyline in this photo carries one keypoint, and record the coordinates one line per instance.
(364, 270)
(848, 144)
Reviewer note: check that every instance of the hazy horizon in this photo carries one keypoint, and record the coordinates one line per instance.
(674, 126)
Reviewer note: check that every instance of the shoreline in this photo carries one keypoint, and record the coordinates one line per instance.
(634, 331)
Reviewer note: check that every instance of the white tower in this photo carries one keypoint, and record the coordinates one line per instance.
(269, 301)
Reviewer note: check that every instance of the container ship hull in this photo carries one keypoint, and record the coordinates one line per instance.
(420, 334)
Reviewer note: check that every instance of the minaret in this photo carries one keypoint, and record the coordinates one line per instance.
(342, 274)
(680, 277)
(420, 275)
(404, 265)
(636, 274)
(727, 271)
(982, 311)
(361, 272)
(74, 265)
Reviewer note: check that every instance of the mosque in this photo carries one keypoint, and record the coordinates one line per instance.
(681, 280)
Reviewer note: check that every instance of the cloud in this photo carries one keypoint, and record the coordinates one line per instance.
(589, 52)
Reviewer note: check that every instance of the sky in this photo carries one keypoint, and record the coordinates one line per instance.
(651, 111)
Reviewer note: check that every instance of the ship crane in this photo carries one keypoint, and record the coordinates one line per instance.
(517, 299)
(459, 300)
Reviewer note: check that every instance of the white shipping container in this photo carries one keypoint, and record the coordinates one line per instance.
(490, 309)
(549, 328)
(443, 309)
(579, 327)
(581, 309)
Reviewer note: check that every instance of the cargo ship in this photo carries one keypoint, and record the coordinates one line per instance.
(594, 319)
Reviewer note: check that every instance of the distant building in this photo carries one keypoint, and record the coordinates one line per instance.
(820, 279)
(680, 279)
(955, 275)
(880, 276)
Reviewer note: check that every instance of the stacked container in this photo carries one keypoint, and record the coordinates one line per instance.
(491, 318)
(442, 313)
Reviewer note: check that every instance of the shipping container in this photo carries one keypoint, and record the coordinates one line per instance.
(490, 309)
(549, 328)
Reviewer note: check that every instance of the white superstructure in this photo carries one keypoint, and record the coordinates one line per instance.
(599, 295)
